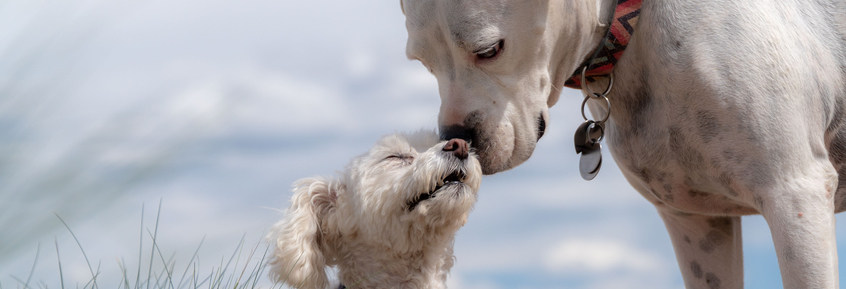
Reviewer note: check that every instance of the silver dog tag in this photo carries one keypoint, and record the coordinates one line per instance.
(590, 162)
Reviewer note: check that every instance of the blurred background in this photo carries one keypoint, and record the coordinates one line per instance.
(217, 107)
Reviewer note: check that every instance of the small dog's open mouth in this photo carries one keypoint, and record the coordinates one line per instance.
(456, 177)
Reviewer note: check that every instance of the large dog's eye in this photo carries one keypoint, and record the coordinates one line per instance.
(490, 52)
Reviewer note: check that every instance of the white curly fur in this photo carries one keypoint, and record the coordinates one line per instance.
(360, 221)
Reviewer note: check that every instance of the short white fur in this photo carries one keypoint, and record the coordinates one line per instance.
(720, 109)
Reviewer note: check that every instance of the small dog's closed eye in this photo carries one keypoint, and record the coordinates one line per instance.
(388, 221)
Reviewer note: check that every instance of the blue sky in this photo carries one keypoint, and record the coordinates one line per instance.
(217, 107)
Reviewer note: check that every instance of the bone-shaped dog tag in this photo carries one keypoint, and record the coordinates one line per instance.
(587, 144)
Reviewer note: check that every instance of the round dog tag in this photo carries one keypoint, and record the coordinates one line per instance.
(582, 137)
(590, 162)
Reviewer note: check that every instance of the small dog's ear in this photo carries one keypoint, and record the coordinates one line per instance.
(299, 259)
(402, 7)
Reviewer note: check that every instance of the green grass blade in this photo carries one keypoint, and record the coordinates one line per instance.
(246, 263)
(257, 269)
(98, 267)
(179, 285)
(152, 251)
(219, 279)
(204, 281)
(261, 266)
(140, 249)
(169, 276)
(29, 278)
(124, 279)
(93, 276)
(20, 281)
(89, 281)
(61, 275)
(194, 276)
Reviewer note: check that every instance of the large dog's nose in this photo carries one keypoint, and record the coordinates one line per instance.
(458, 147)
(457, 131)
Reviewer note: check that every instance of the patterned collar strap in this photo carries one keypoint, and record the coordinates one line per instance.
(612, 46)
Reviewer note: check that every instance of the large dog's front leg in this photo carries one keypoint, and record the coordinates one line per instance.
(802, 225)
(709, 249)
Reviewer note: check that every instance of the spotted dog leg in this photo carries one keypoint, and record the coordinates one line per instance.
(709, 249)
(802, 225)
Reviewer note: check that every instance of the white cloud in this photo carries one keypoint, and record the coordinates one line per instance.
(249, 97)
(456, 281)
(284, 102)
(597, 256)
(360, 64)
(632, 281)
(198, 102)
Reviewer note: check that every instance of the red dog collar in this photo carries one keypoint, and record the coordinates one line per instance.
(612, 46)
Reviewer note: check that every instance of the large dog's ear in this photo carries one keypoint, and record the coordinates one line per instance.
(402, 7)
(299, 259)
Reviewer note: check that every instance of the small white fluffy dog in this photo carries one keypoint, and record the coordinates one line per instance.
(388, 221)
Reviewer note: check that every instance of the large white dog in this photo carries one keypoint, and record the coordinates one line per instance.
(720, 109)
(389, 221)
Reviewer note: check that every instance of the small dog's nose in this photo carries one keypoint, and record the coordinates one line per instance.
(458, 147)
